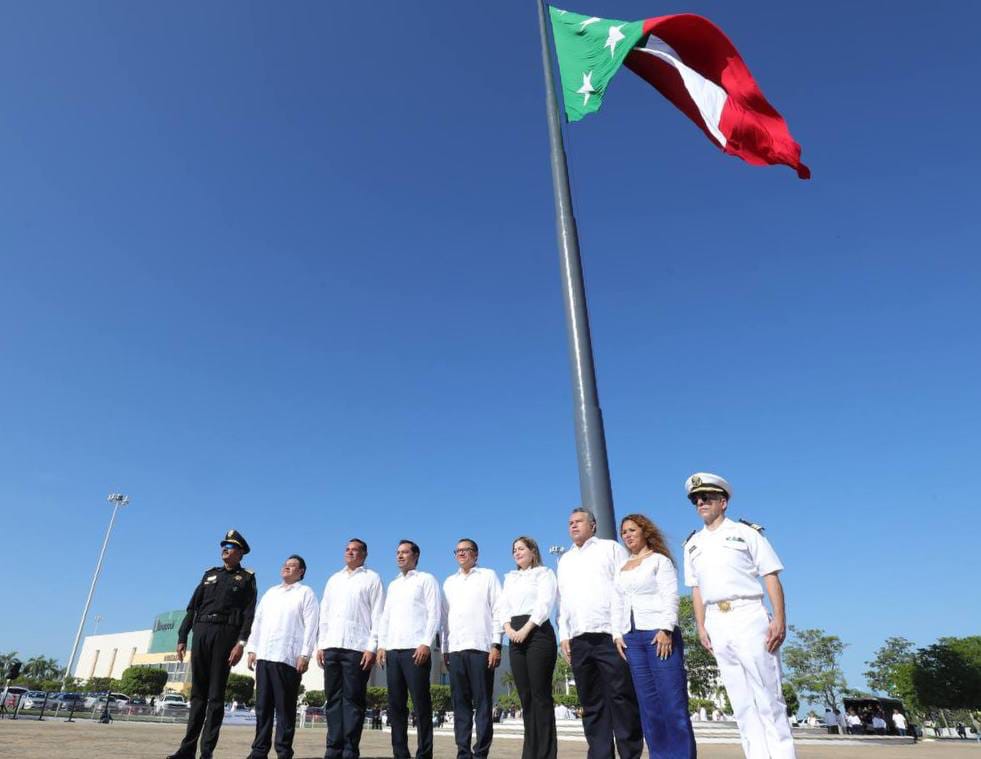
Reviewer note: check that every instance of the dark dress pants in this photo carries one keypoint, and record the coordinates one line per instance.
(662, 694)
(212, 645)
(606, 692)
(345, 689)
(277, 690)
(472, 690)
(532, 665)
(404, 677)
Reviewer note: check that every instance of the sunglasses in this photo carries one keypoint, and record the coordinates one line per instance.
(707, 497)
(228, 546)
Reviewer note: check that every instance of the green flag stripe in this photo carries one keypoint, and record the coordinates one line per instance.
(590, 51)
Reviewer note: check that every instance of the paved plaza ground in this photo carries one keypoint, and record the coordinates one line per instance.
(56, 739)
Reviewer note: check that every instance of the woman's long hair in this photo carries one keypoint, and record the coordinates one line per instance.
(536, 560)
(651, 532)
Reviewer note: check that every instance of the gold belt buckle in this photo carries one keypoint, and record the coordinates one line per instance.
(725, 606)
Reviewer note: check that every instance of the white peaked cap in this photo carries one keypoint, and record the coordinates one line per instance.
(706, 482)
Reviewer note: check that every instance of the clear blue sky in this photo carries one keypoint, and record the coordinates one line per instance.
(292, 270)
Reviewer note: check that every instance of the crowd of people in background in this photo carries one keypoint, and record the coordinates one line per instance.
(616, 607)
(870, 720)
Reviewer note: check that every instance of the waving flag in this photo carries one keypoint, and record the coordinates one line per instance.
(691, 62)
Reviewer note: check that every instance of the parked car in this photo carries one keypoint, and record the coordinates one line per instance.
(33, 699)
(65, 700)
(171, 703)
(12, 695)
(99, 699)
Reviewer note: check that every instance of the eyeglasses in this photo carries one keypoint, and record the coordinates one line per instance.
(707, 497)
(460, 551)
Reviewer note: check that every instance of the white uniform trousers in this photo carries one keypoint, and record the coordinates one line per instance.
(752, 678)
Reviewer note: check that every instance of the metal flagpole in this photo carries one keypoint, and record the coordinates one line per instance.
(594, 468)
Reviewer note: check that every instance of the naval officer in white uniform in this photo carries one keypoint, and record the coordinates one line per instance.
(723, 564)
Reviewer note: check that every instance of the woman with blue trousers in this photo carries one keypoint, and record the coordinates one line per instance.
(647, 635)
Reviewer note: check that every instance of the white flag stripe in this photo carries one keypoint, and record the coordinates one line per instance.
(708, 97)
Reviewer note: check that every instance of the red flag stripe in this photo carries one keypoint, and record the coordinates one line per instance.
(752, 128)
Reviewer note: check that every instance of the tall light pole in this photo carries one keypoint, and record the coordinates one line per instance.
(557, 552)
(117, 500)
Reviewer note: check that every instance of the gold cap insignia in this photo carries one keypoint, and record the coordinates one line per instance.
(230, 534)
(696, 481)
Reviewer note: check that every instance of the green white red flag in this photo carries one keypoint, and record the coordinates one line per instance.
(691, 62)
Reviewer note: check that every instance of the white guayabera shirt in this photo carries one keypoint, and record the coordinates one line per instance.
(588, 602)
(351, 609)
(468, 611)
(285, 625)
(412, 611)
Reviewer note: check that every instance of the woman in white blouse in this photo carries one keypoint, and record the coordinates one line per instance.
(523, 609)
(647, 635)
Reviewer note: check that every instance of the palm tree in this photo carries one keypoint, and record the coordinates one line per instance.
(5, 660)
(508, 681)
(42, 668)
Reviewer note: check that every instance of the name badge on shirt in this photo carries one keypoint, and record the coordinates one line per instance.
(209, 580)
(735, 539)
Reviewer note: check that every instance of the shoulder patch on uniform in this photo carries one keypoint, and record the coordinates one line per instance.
(689, 537)
(757, 527)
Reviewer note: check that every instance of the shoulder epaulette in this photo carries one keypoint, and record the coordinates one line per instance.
(689, 536)
(214, 569)
(757, 527)
(252, 571)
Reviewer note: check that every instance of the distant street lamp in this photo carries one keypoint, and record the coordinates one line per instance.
(117, 500)
(95, 627)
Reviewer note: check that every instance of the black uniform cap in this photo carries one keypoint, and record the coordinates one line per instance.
(234, 536)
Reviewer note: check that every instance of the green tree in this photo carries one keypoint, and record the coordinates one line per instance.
(240, 688)
(703, 672)
(571, 700)
(100, 685)
(5, 660)
(790, 698)
(947, 675)
(377, 697)
(316, 697)
(508, 701)
(440, 695)
(694, 704)
(41, 668)
(561, 675)
(507, 680)
(813, 661)
(891, 672)
(143, 681)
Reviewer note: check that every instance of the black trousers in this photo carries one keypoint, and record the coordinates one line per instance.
(345, 691)
(277, 688)
(606, 692)
(472, 691)
(532, 665)
(404, 677)
(209, 675)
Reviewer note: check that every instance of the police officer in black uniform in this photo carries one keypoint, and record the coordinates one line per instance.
(221, 611)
